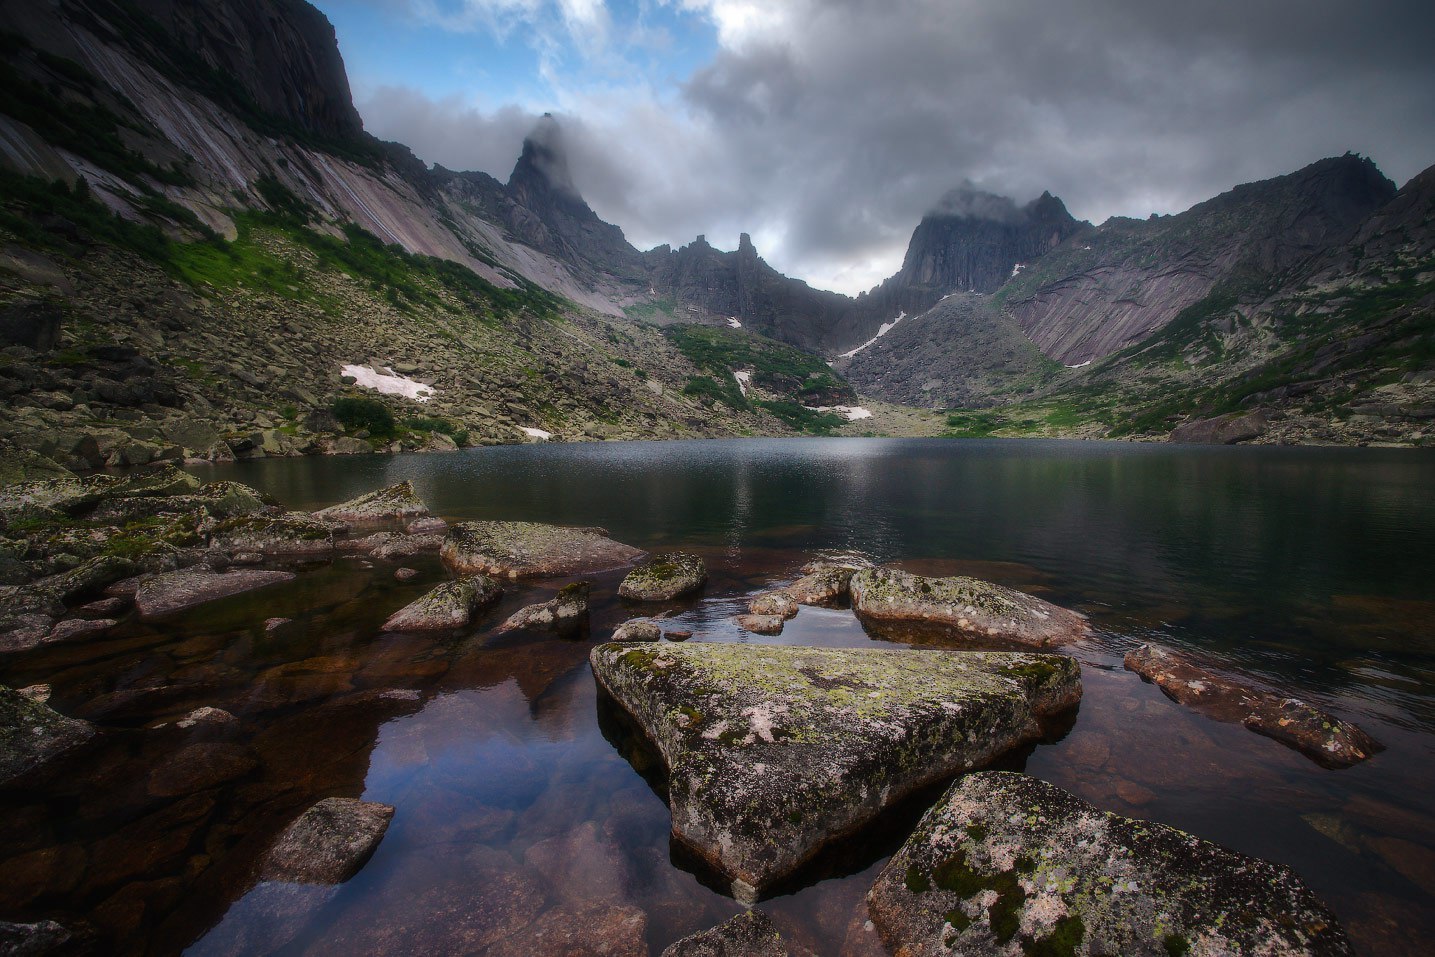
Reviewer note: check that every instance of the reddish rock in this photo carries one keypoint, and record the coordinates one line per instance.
(749, 934)
(329, 843)
(761, 624)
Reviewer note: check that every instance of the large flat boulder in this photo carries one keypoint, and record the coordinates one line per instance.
(529, 549)
(294, 533)
(1006, 863)
(180, 590)
(665, 577)
(1320, 736)
(328, 843)
(963, 607)
(32, 733)
(395, 503)
(774, 751)
(450, 605)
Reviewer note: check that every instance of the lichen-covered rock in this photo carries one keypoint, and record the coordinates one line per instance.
(1006, 863)
(823, 584)
(328, 843)
(32, 733)
(773, 751)
(663, 577)
(34, 940)
(528, 549)
(962, 607)
(566, 613)
(450, 605)
(639, 629)
(762, 624)
(749, 934)
(395, 503)
(176, 591)
(291, 534)
(773, 604)
(1320, 736)
(407, 546)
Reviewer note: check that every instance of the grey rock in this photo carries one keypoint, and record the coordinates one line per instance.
(773, 604)
(176, 591)
(395, 503)
(33, 940)
(329, 843)
(529, 549)
(566, 613)
(291, 534)
(749, 934)
(663, 577)
(32, 734)
(1222, 430)
(762, 624)
(450, 605)
(639, 629)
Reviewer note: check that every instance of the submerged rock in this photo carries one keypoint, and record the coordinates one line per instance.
(749, 934)
(188, 587)
(566, 613)
(395, 503)
(639, 629)
(32, 733)
(1322, 737)
(290, 534)
(528, 549)
(33, 940)
(774, 751)
(450, 605)
(964, 606)
(328, 843)
(1006, 863)
(665, 576)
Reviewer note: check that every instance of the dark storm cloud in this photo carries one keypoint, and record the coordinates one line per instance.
(827, 129)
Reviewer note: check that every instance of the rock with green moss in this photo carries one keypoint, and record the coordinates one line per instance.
(184, 589)
(775, 751)
(1006, 863)
(530, 549)
(450, 605)
(749, 934)
(294, 533)
(566, 613)
(32, 734)
(663, 577)
(962, 608)
(638, 629)
(393, 504)
(22, 466)
(1322, 737)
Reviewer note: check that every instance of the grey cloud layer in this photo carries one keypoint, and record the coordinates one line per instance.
(829, 138)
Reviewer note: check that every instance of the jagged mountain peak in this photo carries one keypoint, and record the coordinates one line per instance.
(544, 160)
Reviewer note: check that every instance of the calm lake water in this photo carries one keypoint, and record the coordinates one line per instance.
(520, 805)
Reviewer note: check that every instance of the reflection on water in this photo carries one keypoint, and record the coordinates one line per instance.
(523, 813)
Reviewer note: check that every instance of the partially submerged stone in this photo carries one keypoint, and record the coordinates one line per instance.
(180, 590)
(566, 613)
(774, 751)
(749, 934)
(663, 577)
(762, 624)
(450, 605)
(639, 629)
(824, 584)
(32, 734)
(1320, 736)
(963, 607)
(290, 534)
(773, 604)
(34, 940)
(395, 503)
(328, 843)
(528, 549)
(1006, 863)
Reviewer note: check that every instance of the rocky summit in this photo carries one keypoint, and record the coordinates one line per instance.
(775, 751)
(1006, 863)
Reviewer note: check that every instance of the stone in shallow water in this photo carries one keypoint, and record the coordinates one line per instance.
(328, 843)
(1008, 863)
(33, 940)
(582, 930)
(774, 751)
(395, 503)
(665, 576)
(528, 549)
(773, 604)
(963, 606)
(762, 624)
(565, 614)
(32, 733)
(292, 534)
(638, 629)
(450, 605)
(750, 934)
(1322, 737)
(177, 591)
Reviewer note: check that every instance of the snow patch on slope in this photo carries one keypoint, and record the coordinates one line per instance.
(389, 382)
(882, 330)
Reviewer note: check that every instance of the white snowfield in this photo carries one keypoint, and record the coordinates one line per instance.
(744, 379)
(882, 330)
(733, 322)
(852, 412)
(1017, 269)
(1081, 365)
(533, 433)
(389, 382)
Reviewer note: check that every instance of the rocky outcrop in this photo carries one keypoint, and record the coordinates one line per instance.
(32, 734)
(329, 843)
(962, 608)
(1322, 737)
(774, 751)
(1222, 429)
(292, 534)
(393, 504)
(529, 550)
(1008, 863)
(187, 588)
(566, 613)
(664, 577)
(749, 934)
(450, 605)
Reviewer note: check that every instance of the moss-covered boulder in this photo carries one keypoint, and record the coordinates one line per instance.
(32, 733)
(293, 533)
(530, 549)
(637, 629)
(1320, 736)
(961, 607)
(177, 591)
(450, 605)
(663, 577)
(566, 613)
(329, 843)
(393, 504)
(749, 934)
(1006, 863)
(774, 751)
